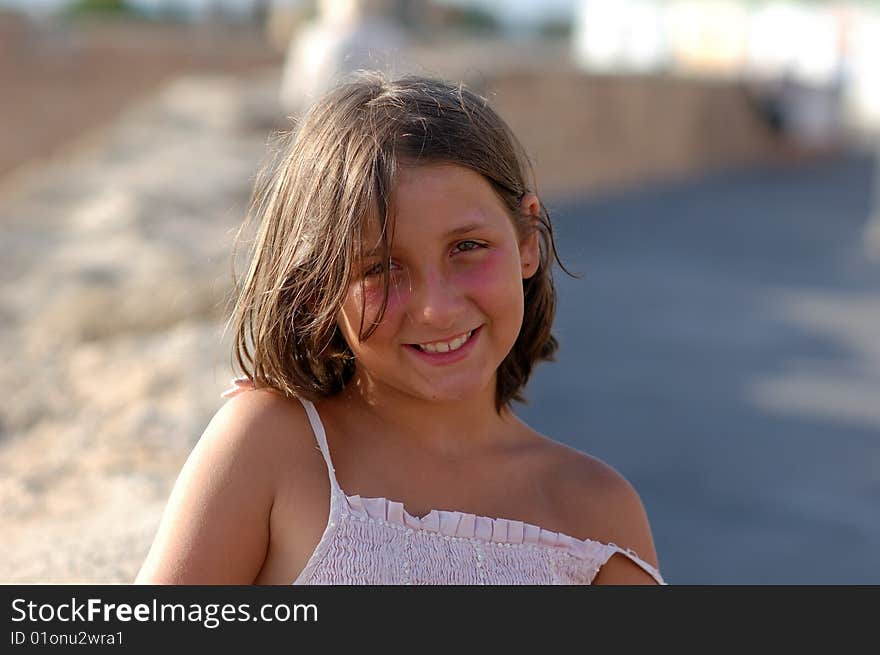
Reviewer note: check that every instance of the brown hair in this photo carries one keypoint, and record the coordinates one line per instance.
(314, 198)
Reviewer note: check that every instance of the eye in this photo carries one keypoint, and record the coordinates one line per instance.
(377, 269)
(464, 246)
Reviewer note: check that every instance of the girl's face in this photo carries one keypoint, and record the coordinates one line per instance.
(455, 301)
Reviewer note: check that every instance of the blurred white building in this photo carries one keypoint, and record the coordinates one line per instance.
(819, 58)
(620, 35)
(863, 61)
(707, 37)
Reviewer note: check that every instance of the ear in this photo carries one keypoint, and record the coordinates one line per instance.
(529, 246)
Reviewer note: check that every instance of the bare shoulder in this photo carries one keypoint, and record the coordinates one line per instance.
(215, 527)
(262, 420)
(260, 430)
(605, 507)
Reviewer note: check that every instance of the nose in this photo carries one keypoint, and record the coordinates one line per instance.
(435, 301)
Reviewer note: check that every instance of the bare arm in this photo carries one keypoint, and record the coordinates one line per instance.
(629, 529)
(215, 528)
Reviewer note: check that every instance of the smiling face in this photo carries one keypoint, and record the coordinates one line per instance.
(455, 302)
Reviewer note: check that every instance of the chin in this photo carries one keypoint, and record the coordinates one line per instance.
(454, 392)
(438, 397)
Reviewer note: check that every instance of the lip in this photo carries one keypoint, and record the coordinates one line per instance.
(447, 340)
(442, 359)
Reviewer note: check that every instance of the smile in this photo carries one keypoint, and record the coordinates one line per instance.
(445, 346)
(447, 352)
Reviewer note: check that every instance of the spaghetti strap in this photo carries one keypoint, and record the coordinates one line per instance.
(613, 549)
(337, 499)
(321, 438)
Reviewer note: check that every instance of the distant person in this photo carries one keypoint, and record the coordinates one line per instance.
(806, 114)
(345, 36)
(398, 298)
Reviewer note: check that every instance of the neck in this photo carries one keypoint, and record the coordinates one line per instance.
(451, 428)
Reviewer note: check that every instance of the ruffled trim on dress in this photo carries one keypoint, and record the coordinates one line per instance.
(453, 523)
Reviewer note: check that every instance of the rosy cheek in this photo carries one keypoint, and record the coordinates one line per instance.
(488, 274)
(373, 293)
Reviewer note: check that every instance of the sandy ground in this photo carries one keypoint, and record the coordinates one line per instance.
(116, 253)
(112, 304)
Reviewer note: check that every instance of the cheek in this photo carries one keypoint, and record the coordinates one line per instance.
(494, 279)
(375, 294)
(369, 297)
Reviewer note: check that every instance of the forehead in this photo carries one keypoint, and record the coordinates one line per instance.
(429, 198)
(421, 182)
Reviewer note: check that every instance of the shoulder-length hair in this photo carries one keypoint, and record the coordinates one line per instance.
(313, 199)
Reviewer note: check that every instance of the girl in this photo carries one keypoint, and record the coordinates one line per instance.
(398, 296)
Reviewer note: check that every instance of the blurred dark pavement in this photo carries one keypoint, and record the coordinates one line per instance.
(718, 352)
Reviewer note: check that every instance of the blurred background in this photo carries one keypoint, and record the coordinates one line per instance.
(710, 169)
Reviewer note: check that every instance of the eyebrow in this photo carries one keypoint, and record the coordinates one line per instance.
(456, 231)
(465, 229)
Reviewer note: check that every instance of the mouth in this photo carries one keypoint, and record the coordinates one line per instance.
(447, 350)
(445, 346)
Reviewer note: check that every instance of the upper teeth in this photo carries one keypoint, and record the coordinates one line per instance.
(445, 346)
